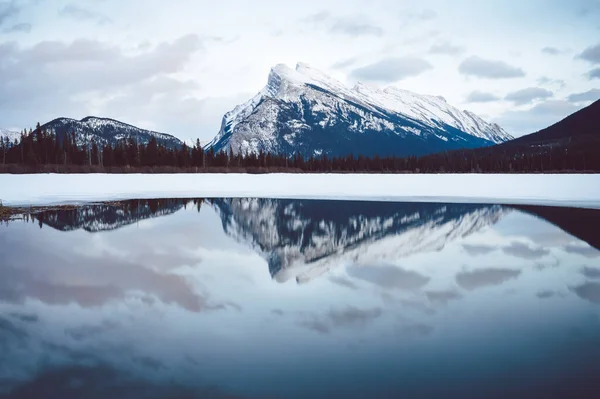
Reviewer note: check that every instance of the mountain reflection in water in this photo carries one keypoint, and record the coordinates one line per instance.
(173, 298)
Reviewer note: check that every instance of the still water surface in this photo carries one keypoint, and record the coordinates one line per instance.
(263, 298)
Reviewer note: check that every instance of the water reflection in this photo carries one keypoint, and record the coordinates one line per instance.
(199, 298)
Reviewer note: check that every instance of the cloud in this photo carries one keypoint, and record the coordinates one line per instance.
(587, 251)
(545, 294)
(390, 277)
(21, 27)
(25, 317)
(482, 68)
(416, 330)
(485, 277)
(84, 332)
(355, 26)
(551, 51)
(78, 13)
(588, 291)
(594, 74)
(590, 95)
(86, 77)
(481, 97)
(390, 70)
(536, 118)
(348, 62)
(8, 9)
(350, 317)
(446, 48)
(544, 80)
(591, 272)
(343, 282)
(443, 296)
(591, 54)
(523, 251)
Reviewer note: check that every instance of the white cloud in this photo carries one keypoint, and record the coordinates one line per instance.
(81, 57)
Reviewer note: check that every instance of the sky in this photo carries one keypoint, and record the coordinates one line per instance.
(178, 66)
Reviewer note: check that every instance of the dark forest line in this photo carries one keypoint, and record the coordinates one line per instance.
(43, 152)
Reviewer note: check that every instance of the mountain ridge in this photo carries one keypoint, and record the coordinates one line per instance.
(304, 110)
(106, 131)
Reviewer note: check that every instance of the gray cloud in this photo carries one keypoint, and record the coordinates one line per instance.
(538, 117)
(523, 251)
(551, 51)
(482, 68)
(350, 317)
(545, 294)
(83, 332)
(485, 277)
(344, 63)
(443, 296)
(416, 330)
(544, 80)
(57, 78)
(25, 317)
(594, 74)
(390, 70)
(588, 291)
(355, 28)
(590, 95)
(478, 249)
(587, 251)
(21, 27)
(347, 26)
(591, 272)
(79, 13)
(390, 277)
(343, 282)
(8, 9)
(481, 97)
(591, 54)
(446, 48)
(525, 96)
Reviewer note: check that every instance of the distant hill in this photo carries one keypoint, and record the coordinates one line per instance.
(571, 144)
(106, 131)
(583, 124)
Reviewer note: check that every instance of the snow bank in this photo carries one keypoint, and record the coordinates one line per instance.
(40, 189)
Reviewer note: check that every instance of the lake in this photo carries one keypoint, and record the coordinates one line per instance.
(274, 298)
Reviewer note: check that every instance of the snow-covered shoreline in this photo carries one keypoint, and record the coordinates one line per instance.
(538, 189)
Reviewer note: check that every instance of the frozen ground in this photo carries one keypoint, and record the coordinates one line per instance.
(563, 189)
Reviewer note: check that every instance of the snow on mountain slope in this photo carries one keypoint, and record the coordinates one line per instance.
(12, 135)
(106, 131)
(304, 110)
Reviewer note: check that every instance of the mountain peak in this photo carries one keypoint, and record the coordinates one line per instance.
(305, 110)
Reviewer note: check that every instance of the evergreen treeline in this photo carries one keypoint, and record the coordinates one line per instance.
(38, 148)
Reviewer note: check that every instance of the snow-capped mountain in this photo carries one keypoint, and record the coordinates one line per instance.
(302, 239)
(304, 110)
(106, 131)
(11, 134)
